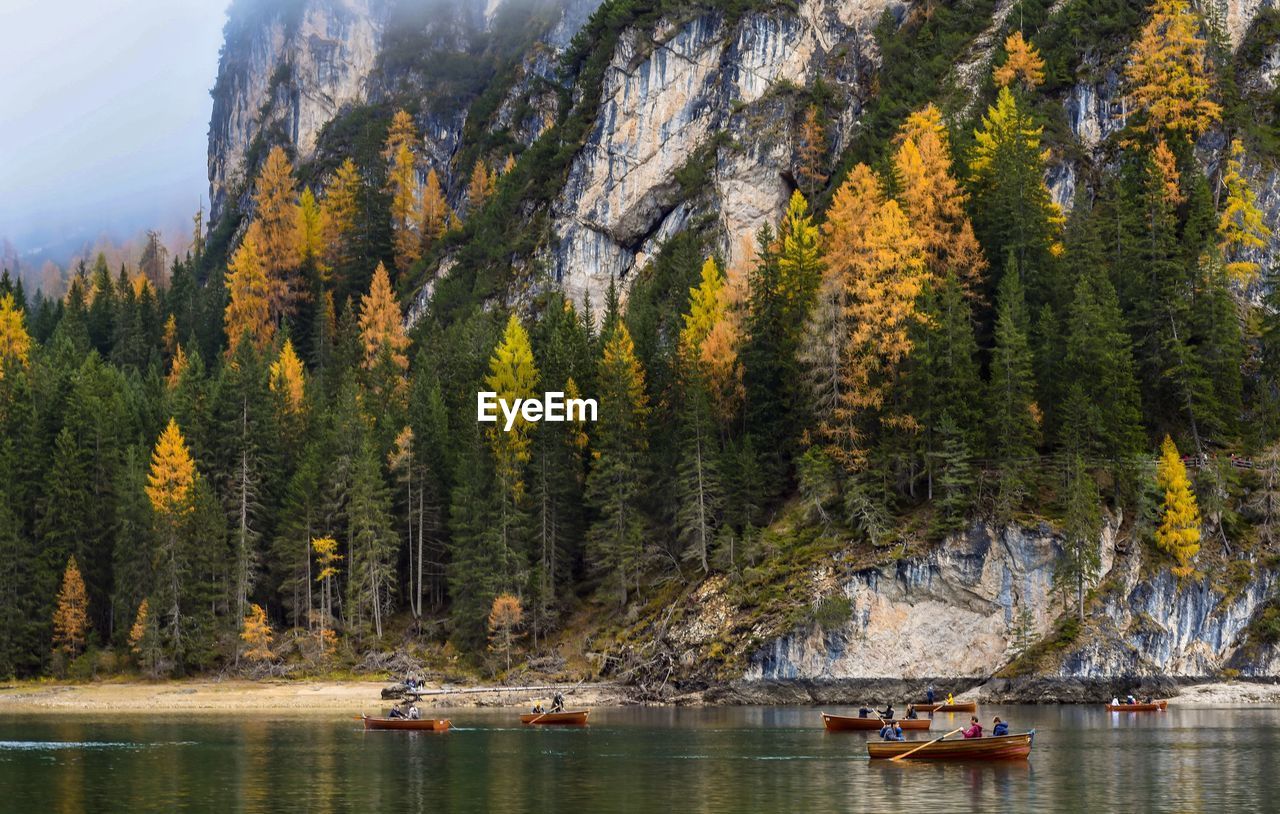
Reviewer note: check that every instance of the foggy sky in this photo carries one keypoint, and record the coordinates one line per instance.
(104, 114)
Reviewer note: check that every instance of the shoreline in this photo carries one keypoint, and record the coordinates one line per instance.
(328, 697)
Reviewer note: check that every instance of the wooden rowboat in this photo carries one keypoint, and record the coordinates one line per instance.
(959, 706)
(577, 717)
(1158, 706)
(411, 724)
(1005, 747)
(846, 723)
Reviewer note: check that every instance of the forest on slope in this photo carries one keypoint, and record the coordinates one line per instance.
(254, 459)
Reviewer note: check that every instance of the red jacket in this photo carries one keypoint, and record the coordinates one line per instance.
(974, 731)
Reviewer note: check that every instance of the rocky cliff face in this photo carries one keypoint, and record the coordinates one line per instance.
(954, 614)
(283, 73)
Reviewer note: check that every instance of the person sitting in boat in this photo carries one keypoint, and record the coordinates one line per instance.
(537, 708)
(413, 713)
(974, 730)
(864, 712)
(557, 703)
(891, 732)
(950, 699)
(911, 712)
(1129, 699)
(395, 713)
(1147, 699)
(888, 712)
(1000, 728)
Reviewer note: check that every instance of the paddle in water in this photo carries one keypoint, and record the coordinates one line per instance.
(923, 745)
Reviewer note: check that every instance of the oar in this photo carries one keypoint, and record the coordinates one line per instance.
(930, 743)
(539, 718)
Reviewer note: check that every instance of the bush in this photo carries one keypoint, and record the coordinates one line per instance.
(833, 611)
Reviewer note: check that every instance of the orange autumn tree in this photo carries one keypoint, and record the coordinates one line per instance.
(71, 616)
(505, 616)
(257, 635)
(480, 187)
(311, 233)
(402, 184)
(176, 368)
(287, 378)
(436, 213)
(276, 200)
(1169, 76)
(933, 200)
(1240, 226)
(382, 324)
(1023, 64)
(812, 153)
(248, 313)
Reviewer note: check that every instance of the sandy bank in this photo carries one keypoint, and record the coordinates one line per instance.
(302, 697)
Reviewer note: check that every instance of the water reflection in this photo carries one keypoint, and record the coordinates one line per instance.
(642, 760)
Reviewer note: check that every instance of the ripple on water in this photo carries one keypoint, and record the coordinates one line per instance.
(39, 746)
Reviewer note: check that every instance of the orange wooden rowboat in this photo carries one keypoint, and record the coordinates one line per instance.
(411, 724)
(960, 706)
(847, 723)
(1005, 747)
(1158, 706)
(577, 717)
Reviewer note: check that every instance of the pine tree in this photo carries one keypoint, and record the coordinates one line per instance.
(1169, 78)
(248, 314)
(1081, 557)
(1013, 214)
(1179, 530)
(1013, 425)
(1240, 226)
(1022, 63)
(102, 309)
(615, 541)
(954, 465)
(402, 184)
(512, 375)
(372, 543)
(71, 619)
(934, 202)
(276, 199)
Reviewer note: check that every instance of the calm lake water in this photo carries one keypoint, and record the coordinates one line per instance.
(752, 759)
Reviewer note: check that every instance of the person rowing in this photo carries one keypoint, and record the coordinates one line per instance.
(557, 702)
(887, 714)
(974, 730)
(911, 712)
(891, 731)
(864, 712)
(950, 699)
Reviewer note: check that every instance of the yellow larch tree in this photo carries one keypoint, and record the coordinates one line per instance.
(256, 633)
(706, 308)
(508, 164)
(15, 342)
(138, 631)
(1168, 74)
(327, 559)
(812, 153)
(512, 375)
(288, 379)
(1022, 65)
(341, 209)
(480, 187)
(170, 336)
(276, 199)
(1166, 163)
(1240, 227)
(172, 473)
(248, 313)
(176, 368)
(311, 233)
(71, 616)
(1179, 529)
(933, 200)
(382, 323)
(402, 184)
(435, 211)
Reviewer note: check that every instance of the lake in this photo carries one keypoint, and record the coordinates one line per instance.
(761, 759)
